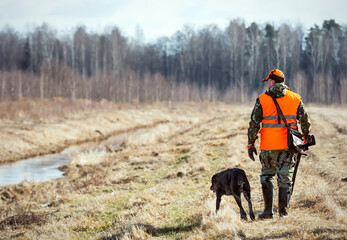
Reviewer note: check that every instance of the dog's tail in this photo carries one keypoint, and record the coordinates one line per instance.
(242, 182)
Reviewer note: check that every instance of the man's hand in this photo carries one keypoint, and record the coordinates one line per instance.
(251, 150)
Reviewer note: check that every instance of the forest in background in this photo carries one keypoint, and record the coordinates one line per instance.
(208, 64)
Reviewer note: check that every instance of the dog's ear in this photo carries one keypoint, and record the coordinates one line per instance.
(214, 178)
(213, 181)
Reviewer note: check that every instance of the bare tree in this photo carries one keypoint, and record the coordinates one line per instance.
(205, 64)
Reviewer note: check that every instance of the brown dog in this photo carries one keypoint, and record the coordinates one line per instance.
(233, 181)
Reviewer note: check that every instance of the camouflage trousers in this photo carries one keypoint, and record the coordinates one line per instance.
(280, 162)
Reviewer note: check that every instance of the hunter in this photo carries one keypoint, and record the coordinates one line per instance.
(275, 156)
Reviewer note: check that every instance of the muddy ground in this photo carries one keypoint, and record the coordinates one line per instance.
(157, 186)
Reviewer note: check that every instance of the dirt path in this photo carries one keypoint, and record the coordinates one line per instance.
(158, 186)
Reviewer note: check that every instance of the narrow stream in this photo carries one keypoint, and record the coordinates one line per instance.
(45, 168)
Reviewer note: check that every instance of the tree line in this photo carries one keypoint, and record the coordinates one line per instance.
(209, 64)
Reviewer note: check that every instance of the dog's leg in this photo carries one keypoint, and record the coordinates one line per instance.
(238, 201)
(247, 195)
(219, 198)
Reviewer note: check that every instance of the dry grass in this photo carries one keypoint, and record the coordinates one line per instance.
(36, 127)
(157, 186)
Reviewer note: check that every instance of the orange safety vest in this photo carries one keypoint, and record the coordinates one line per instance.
(273, 135)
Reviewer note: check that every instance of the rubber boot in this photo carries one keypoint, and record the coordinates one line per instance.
(283, 200)
(268, 200)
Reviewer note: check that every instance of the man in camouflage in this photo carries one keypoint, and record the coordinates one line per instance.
(276, 161)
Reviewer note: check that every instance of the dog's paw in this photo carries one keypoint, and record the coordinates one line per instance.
(252, 216)
(244, 216)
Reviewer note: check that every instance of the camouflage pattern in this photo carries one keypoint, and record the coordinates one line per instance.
(304, 121)
(254, 124)
(280, 162)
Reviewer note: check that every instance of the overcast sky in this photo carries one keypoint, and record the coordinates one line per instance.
(163, 18)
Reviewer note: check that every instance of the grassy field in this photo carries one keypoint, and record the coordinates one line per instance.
(157, 185)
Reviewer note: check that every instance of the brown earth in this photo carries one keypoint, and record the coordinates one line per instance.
(157, 185)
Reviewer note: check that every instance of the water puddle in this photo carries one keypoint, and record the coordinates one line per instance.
(37, 169)
(45, 168)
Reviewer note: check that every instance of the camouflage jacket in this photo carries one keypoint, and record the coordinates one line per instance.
(279, 89)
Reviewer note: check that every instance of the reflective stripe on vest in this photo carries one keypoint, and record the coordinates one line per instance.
(273, 125)
(275, 117)
(274, 134)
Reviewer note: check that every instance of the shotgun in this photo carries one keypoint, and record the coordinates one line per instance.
(311, 140)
